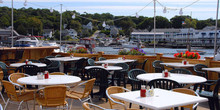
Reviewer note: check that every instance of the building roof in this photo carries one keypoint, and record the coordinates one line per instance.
(147, 33)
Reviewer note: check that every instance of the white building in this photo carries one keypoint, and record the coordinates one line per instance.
(48, 33)
(147, 36)
(88, 26)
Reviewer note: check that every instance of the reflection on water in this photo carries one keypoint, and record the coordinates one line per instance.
(168, 52)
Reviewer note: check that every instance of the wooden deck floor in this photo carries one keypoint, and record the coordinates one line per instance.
(77, 104)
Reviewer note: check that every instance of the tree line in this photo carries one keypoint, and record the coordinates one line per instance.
(35, 20)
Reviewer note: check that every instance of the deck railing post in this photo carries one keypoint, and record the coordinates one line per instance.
(100, 54)
(159, 56)
(208, 63)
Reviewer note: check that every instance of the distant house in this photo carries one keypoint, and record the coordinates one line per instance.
(72, 33)
(5, 36)
(114, 31)
(48, 33)
(88, 26)
(69, 32)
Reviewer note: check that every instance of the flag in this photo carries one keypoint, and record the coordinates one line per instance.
(183, 22)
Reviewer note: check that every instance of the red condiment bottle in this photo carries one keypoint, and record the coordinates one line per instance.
(184, 62)
(143, 91)
(26, 61)
(46, 75)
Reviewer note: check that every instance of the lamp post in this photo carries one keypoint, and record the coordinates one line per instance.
(216, 26)
(12, 24)
(154, 24)
(60, 23)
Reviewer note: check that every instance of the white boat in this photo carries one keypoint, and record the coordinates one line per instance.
(131, 44)
(27, 42)
(47, 43)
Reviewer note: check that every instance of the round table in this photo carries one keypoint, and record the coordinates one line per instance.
(21, 64)
(109, 68)
(53, 80)
(180, 78)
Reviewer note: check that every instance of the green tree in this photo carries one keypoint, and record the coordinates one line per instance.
(36, 24)
(176, 21)
(75, 25)
(57, 35)
(190, 23)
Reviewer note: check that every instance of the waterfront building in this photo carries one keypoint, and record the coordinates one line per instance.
(5, 36)
(147, 36)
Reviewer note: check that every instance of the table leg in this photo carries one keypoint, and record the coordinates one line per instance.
(62, 66)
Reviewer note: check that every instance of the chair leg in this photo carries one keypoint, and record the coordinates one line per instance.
(2, 97)
(71, 102)
(6, 104)
(27, 105)
(211, 104)
(90, 99)
(19, 106)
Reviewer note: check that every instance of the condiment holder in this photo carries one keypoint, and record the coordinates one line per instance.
(165, 73)
(185, 62)
(149, 92)
(40, 75)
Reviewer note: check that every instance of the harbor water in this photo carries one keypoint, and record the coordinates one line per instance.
(168, 52)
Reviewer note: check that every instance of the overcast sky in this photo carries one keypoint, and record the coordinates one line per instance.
(203, 9)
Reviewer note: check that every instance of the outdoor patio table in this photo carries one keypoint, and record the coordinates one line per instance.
(109, 68)
(65, 59)
(178, 65)
(21, 64)
(114, 61)
(180, 78)
(162, 99)
(212, 69)
(53, 80)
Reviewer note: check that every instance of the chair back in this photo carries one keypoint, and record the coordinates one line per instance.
(133, 65)
(10, 90)
(80, 63)
(50, 57)
(215, 94)
(54, 66)
(88, 87)
(144, 63)
(113, 90)
(198, 69)
(1, 76)
(157, 66)
(55, 95)
(4, 67)
(45, 60)
(189, 92)
(125, 66)
(57, 73)
(180, 71)
(91, 62)
(101, 76)
(164, 84)
(135, 83)
(15, 76)
(28, 69)
(101, 58)
(94, 58)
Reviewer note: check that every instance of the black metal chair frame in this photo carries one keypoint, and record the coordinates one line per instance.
(164, 84)
(157, 66)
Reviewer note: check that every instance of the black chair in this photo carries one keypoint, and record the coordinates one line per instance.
(33, 61)
(54, 66)
(102, 81)
(164, 84)
(133, 65)
(121, 74)
(101, 58)
(135, 83)
(50, 57)
(206, 85)
(212, 96)
(45, 60)
(94, 58)
(18, 56)
(79, 68)
(180, 71)
(144, 63)
(157, 66)
(28, 69)
(91, 62)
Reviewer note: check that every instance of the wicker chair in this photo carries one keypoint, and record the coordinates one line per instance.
(75, 94)
(164, 84)
(113, 101)
(157, 66)
(57, 73)
(53, 96)
(121, 74)
(90, 106)
(1, 78)
(14, 96)
(190, 92)
(101, 58)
